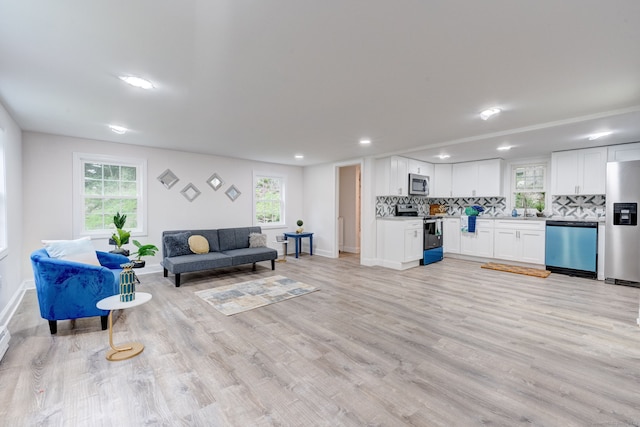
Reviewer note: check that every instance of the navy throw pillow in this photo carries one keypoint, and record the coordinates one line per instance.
(177, 244)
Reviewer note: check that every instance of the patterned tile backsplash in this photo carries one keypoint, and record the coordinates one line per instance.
(494, 206)
(580, 207)
(574, 207)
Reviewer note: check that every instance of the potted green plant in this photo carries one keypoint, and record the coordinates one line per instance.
(300, 229)
(143, 250)
(120, 237)
(539, 207)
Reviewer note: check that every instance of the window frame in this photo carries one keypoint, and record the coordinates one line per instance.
(79, 159)
(515, 190)
(283, 202)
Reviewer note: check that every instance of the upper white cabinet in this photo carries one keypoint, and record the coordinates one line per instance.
(624, 152)
(441, 181)
(392, 176)
(579, 171)
(477, 179)
(421, 168)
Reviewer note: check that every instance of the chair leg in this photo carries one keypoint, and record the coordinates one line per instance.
(103, 322)
(253, 268)
(53, 327)
(273, 264)
(177, 280)
(165, 272)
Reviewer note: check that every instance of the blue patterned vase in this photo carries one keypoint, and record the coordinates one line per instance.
(127, 283)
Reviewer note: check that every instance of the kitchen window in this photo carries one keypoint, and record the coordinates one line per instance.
(529, 186)
(104, 186)
(268, 200)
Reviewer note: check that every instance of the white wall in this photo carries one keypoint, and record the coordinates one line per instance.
(48, 184)
(10, 266)
(320, 215)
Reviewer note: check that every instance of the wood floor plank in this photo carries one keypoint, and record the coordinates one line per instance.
(448, 344)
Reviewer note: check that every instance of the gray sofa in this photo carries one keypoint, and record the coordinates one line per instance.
(227, 247)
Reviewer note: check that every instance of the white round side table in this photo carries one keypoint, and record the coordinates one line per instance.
(128, 350)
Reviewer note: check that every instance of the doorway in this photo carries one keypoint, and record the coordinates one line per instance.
(349, 210)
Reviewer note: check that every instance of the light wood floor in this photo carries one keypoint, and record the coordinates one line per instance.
(449, 344)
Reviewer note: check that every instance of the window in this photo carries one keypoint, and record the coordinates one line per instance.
(104, 186)
(529, 186)
(268, 200)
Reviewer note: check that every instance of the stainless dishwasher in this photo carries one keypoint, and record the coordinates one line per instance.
(571, 247)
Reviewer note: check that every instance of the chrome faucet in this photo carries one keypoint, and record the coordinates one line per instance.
(524, 201)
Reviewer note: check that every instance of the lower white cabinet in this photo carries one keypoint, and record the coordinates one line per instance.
(480, 243)
(451, 235)
(400, 242)
(519, 240)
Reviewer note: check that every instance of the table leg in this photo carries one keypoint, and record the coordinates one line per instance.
(311, 245)
(297, 246)
(124, 352)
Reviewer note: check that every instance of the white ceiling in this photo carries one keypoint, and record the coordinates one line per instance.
(268, 79)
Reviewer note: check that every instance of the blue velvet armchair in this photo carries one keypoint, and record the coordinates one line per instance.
(70, 290)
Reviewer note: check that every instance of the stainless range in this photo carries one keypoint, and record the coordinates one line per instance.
(432, 233)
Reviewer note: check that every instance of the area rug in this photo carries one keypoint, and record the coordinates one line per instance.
(516, 269)
(239, 297)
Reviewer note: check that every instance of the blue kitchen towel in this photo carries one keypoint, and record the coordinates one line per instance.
(471, 228)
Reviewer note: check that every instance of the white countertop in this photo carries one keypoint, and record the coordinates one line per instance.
(505, 217)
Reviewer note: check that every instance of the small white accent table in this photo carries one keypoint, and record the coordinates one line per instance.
(128, 350)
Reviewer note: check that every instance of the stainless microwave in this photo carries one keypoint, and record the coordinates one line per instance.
(418, 185)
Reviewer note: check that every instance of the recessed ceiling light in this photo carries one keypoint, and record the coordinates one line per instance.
(299, 156)
(118, 129)
(599, 135)
(443, 156)
(365, 141)
(505, 148)
(137, 82)
(486, 114)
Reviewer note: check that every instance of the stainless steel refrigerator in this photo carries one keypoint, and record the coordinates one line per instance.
(622, 233)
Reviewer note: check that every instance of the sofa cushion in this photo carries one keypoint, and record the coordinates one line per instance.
(177, 244)
(236, 238)
(257, 240)
(196, 262)
(80, 250)
(198, 244)
(251, 255)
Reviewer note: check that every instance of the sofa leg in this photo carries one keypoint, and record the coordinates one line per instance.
(166, 273)
(53, 327)
(253, 267)
(178, 280)
(273, 264)
(104, 322)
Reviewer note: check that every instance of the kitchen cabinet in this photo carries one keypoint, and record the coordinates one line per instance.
(421, 168)
(400, 242)
(579, 171)
(392, 176)
(520, 240)
(451, 235)
(477, 179)
(480, 243)
(441, 183)
(624, 152)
